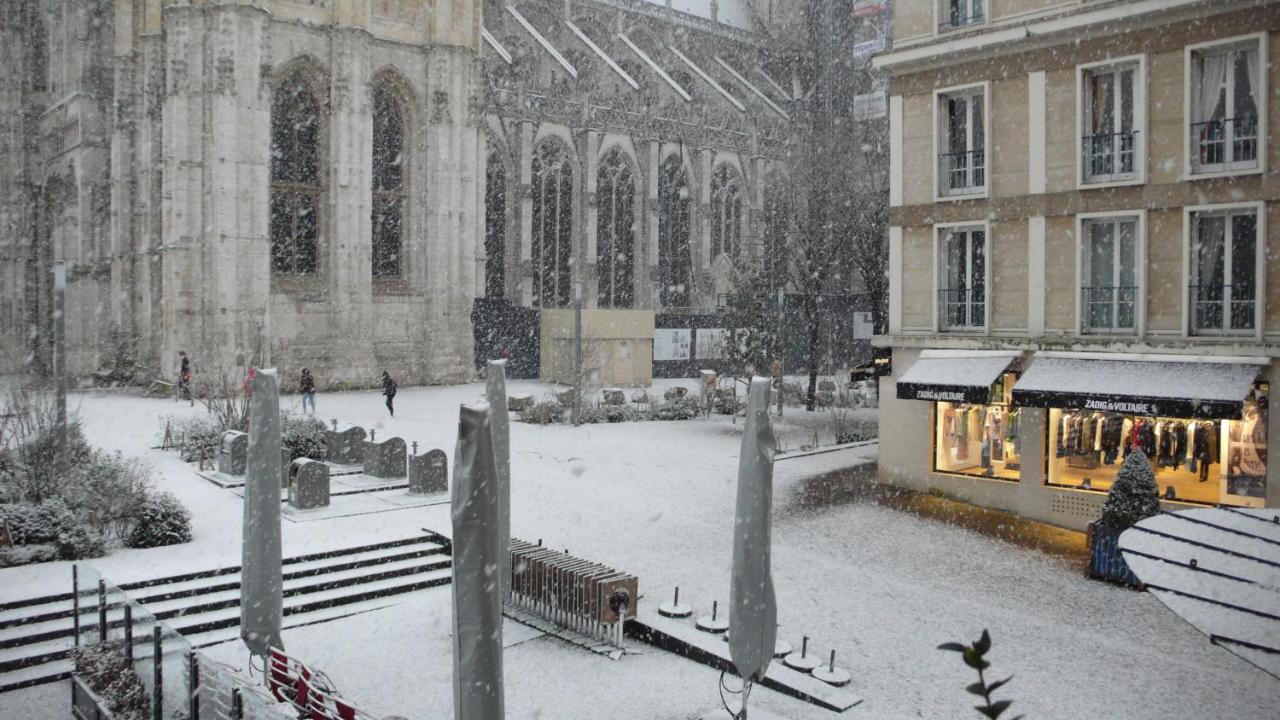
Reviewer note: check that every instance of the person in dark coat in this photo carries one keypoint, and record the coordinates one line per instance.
(389, 389)
(308, 387)
(184, 376)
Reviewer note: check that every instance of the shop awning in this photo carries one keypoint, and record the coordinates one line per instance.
(954, 376)
(1139, 385)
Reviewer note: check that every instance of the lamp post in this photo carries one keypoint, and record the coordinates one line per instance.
(60, 352)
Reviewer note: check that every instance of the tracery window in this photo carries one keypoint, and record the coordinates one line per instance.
(296, 184)
(675, 261)
(726, 213)
(388, 183)
(552, 218)
(495, 226)
(615, 231)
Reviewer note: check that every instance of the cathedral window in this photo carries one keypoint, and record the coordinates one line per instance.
(296, 184)
(388, 183)
(615, 231)
(495, 225)
(726, 213)
(675, 260)
(552, 220)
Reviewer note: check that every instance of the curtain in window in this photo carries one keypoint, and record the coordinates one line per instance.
(1248, 105)
(1211, 100)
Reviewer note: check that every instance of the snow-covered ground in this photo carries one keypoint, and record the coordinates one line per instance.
(882, 587)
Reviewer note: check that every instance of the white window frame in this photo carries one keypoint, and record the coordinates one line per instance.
(939, 130)
(1140, 272)
(1189, 148)
(939, 322)
(1139, 175)
(1260, 268)
(942, 16)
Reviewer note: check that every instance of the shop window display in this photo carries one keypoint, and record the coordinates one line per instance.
(979, 440)
(1195, 460)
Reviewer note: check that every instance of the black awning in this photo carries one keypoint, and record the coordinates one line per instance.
(959, 377)
(1169, 388)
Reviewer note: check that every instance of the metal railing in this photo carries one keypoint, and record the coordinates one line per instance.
(1110, 309)
(963, 173)
(955, 22)
(963, 309)
(1223, 309)
(1109, 155)
(1227, 143)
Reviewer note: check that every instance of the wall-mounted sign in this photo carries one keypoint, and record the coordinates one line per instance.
(944, 393)
(870, 106)
(672, 343)
(712, 343)
(863, 8)
(863, 326)
(870, 47)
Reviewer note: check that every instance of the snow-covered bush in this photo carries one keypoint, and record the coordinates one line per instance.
(107, 491)
(27, 554)
(160, 520)
(303, 437)
(36, 523)
(543, 413)
(685, 408)
(111, 675)
(1133, 496)
(78, 543)
(192, 434)
(31, 465)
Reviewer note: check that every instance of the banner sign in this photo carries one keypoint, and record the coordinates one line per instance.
(1145, 406)
(971, 394)
(672, 343)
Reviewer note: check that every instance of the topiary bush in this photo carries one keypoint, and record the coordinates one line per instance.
(1133, 496)
(161, 520)
(37, 523)
(303, 437)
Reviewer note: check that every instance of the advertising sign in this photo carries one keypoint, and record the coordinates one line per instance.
(870, 106)
(672, 343)
(712, 343)
(870, 47)
(863, 326)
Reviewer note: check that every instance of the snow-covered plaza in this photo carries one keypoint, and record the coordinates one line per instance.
(881, 586)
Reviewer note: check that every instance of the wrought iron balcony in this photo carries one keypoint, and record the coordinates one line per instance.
(963, 173)
(1109, 156)
(963, 308)
(1108, 309)
(1223, 309)
(1225, 144)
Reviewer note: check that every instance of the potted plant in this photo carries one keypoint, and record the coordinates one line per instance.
(1133, 496)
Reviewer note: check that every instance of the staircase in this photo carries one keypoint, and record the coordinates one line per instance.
(36, 633)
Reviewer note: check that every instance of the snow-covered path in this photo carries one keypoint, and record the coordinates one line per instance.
(881, 586)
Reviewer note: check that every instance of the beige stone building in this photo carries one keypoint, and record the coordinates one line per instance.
(1083, 253)
(332, 183)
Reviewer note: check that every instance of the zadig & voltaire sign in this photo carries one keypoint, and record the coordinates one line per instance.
(1122, 406)
(943, 395)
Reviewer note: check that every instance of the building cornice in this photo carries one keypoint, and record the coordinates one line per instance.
(1001, 39)
(1205, 348)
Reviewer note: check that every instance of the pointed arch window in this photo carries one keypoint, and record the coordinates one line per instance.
(726, 212)
(552, 220)
(495, 225)
(615, 231)
(777, 220)
(675, 259)
(296, 184)
(388, 183)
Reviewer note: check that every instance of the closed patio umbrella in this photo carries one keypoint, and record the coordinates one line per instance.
(261, 584)
(500, 421)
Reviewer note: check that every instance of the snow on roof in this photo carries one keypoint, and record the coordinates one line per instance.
(1182, 379)
(972, 369)
(1218, 569)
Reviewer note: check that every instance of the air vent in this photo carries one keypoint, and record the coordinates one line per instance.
(1085, 505)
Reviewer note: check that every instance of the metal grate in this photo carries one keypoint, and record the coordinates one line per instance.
(1077, 504)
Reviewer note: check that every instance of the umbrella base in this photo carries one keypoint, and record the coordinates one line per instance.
(712, 625)
(673, 610)
(838, 677)
(781, 648)
(803, 663)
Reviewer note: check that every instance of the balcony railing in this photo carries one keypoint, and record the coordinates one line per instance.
(1109, 155)
(963, 309)
(1108, 309)
(1223, 309)
(955, 22)
(963, 173)
(1225, 144)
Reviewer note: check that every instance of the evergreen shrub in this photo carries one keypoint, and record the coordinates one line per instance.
(1133, 496)
(161, 520)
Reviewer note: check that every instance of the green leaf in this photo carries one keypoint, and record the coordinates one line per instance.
(983, 644)
(977, 689)
(993, 686)
(957, 647)
(986, 710)
(972, 659)
(1000, 707)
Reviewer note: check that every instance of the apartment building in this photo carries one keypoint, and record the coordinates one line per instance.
(1083, 253)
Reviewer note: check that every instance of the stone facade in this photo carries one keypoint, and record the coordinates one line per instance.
(141, 143)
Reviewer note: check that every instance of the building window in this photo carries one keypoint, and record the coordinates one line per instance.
(1224, 99)
(962, 162)
(777, 220)
(981, 440)
(960, 13)
(388, 183)
(296, 184)
(962, 297)
(1112, 106)
(675, 259)
(495, 226)
(1195, 460)
(726, 213)
(1224, 271)
(552, 219)
(615, 231)
(1109, 275)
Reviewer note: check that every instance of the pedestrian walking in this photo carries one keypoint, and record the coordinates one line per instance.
(389, 389)
(308, 386)
(184, 376)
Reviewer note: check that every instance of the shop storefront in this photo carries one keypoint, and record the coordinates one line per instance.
(975, 430)
(1203, 425)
